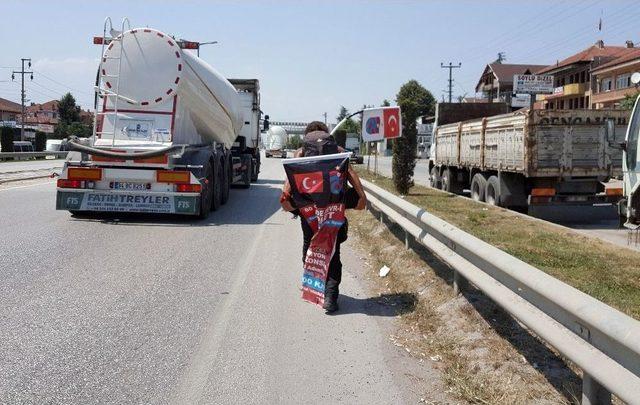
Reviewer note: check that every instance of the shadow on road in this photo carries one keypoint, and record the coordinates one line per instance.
(384, 305)
(245, 207)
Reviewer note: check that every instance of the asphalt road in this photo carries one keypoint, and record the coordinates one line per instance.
(171, 310)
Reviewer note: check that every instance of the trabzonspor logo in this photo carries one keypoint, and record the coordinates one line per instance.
(373, 125)
(335, 178)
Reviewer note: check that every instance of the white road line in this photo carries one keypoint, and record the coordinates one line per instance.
(28, 185)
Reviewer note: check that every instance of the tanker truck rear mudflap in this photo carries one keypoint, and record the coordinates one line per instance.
(128, 190)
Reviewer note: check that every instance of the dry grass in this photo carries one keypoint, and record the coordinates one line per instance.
(484, 355)
(600, 269)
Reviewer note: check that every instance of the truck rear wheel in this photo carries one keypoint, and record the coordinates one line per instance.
(434, 179)
(207, 192)
(492, 191)
(226, 180)
(256, 170)
(248, 173)
(218, 182)
(478, 187)
(450, 181)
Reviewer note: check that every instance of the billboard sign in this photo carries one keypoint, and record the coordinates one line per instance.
(381, 123)
(532, 84)
(520, 100)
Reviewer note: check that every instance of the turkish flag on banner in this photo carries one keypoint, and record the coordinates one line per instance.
(309, 183)
(391, 118)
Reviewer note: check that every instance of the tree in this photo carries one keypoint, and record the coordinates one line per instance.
(68, 111)
(6, 139)
(414, 101)
(294, 142)
(385, 103)
(350, 125)
(41, 141)
(629, 101)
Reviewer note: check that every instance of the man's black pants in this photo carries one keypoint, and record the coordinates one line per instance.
(335, 266)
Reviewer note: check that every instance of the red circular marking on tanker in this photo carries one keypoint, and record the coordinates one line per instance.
(108, 84)
(144, 103)
(103, 72)
(134, 31)
(177, 80)
(161, 35)
(177, 54)
(110, 46)
(147, 30)
(179, 67)
(169, 91)
(157, 100)
(170, 43)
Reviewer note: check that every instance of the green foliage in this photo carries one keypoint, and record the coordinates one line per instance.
(629, 101)
(68, 111)
(350, 126)
(64, 130)
(385, 103)
(6, 139)
(294, 142)
(41, 141)
(414, 101)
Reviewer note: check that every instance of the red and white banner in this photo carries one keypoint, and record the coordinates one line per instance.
(381, 123)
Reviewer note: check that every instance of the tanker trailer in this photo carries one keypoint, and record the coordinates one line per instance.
(276, 142)
(171, 134)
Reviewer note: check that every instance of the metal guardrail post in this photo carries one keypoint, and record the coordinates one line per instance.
(407, 245)
(593, 393)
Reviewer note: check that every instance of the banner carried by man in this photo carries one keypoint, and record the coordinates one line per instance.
(318, 190)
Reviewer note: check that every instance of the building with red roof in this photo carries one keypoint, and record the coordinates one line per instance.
(572, 76)
(613, 80)
(496, 81)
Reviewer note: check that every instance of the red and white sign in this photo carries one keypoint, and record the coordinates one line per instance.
(381, 123)
(309, 183)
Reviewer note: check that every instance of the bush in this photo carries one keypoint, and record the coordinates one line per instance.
(6, 139)
(41, 141)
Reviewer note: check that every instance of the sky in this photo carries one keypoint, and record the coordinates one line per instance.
(311, 57)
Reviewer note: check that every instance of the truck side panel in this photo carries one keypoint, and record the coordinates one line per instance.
(504, 147)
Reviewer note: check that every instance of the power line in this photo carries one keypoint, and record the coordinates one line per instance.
(59, 83)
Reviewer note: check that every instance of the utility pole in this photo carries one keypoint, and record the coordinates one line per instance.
(325, 118)
(450, 67)
(22, 72)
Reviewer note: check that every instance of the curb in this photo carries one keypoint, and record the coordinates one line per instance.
(25, 178)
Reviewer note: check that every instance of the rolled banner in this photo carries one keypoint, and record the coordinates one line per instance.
(318, 185)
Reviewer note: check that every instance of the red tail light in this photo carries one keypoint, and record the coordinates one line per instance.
(100, 40)
(188, 188)
(64, 183)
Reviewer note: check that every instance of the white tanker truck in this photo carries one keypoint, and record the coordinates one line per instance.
(171, 134)
(276, 142)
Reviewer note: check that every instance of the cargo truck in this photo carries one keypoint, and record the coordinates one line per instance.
(629, 206)
(171, 134)
(530, 158)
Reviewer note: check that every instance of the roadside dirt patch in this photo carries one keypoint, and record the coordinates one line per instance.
(484, 354)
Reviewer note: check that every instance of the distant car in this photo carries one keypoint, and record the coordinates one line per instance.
(355, 156)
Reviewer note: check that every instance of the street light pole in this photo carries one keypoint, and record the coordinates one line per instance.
(22, 72)
(204, 43)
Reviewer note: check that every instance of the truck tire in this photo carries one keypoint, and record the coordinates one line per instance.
(478, 187)
(218, 183)
(256, 170)
(226, 180)
(450, 181)
(247, 174)
(207, 192)
(492, 191)
(434, 179)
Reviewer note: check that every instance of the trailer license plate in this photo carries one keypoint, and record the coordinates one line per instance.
(125, 185)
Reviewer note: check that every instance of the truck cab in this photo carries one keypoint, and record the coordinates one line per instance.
(629, 206)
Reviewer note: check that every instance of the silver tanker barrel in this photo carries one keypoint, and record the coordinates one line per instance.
(164, 95)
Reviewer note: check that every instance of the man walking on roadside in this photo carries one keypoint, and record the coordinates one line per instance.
(317, 133)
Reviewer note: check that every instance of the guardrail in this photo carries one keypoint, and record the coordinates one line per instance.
(602, 341)
(30, 155)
